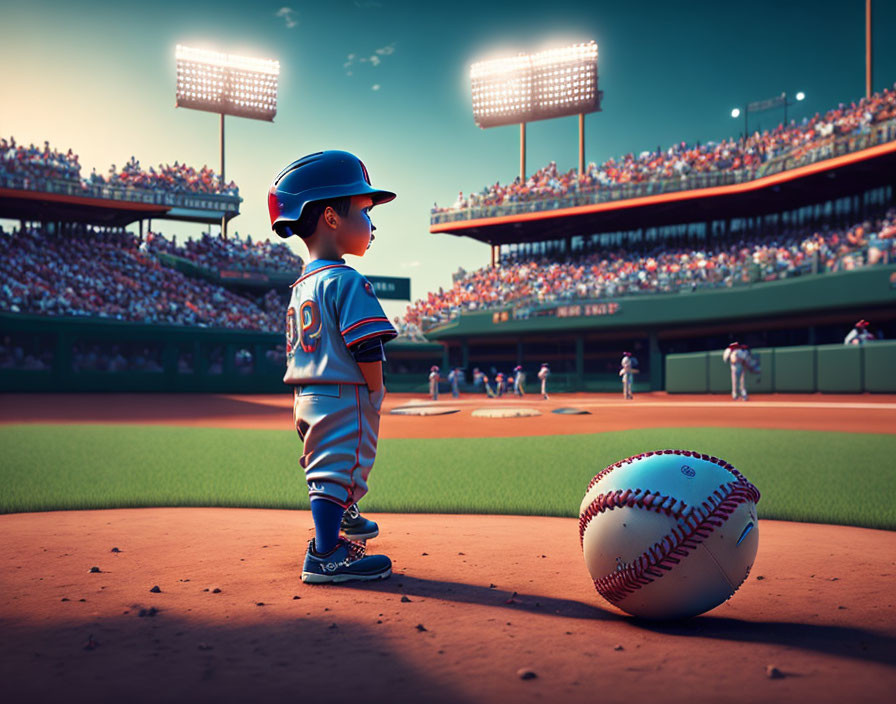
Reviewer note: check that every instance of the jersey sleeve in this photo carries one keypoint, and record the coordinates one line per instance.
(360, 314)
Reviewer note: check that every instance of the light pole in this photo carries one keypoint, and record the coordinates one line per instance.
(228, 85)
(762, 105)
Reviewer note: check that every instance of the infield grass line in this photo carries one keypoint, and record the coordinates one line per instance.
(820, 477)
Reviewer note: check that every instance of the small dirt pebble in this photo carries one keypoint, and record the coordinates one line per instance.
(156, 590)
(618, 647)
(526, 674)
(841, 607)
(259, 603)
(492, 586)
(424, 554)
(216, 590)
(512, 599)
(296, 597)
(421, 627)
(759, 577)
(773, 673)
(94, 570)
(65, 598)
(115, 550)
(151, 611)
(82, 599)
(405, 600)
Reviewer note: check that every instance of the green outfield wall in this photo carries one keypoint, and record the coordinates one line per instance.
(71, 354)
(838, 369)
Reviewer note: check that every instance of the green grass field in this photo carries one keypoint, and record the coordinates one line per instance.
(803, 476)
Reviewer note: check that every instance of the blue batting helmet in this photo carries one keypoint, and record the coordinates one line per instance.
(318, 176)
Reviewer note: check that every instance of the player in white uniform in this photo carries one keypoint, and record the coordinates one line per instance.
(543, 375)
(626, 371)
(434, 382)
(735, 356)
(859, 335)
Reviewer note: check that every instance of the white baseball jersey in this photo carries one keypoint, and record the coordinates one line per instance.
(332, 307)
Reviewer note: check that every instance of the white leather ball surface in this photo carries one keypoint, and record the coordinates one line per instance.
(669, 534)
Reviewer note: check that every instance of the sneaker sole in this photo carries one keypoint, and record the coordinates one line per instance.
(361, 536)
(314, 578)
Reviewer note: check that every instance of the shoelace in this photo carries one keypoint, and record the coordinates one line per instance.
(353, 512)
(355, 550)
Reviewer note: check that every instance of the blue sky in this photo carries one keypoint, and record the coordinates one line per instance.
(99, 77)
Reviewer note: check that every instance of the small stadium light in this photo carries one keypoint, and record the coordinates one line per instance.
(735, 112)
(801, 96)
(227, 84)
(528, 87)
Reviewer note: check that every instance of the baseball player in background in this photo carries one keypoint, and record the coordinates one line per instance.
(335, 331)
(454, 380)
(543, 375)
(434, 382)
(519, 381)
(626, 371)
(500, 384)
(735, 356)
(859, 335)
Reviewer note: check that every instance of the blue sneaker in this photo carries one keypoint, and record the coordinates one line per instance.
(347, 562)
(356, 527)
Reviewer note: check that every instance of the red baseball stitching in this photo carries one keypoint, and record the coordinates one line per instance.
(695, 523)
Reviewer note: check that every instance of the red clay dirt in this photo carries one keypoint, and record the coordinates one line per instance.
(489, 595)
(474, 599)
(866, 413)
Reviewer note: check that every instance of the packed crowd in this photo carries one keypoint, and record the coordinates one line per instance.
(48, 164)
(608, 273)
(106, 275)
(174, 178)
(213, 252)
(38, 163)
(682, 160)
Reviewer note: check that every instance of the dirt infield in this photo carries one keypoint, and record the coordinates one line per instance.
(473, 601)
(865, 413)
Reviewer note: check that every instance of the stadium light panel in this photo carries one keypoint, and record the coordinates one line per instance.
(241, 86)
(528, 87)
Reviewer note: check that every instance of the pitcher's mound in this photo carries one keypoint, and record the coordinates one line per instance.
(423, 411)
(505, 412)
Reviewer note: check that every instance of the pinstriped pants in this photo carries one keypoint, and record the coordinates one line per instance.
(338, 426)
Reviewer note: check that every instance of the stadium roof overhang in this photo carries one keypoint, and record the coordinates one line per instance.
(805, 185)
(17, 204)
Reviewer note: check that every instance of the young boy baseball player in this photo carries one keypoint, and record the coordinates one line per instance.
(335, 330)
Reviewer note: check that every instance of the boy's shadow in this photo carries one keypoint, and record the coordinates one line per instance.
(841, 641)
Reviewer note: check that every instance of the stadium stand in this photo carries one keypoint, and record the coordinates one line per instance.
(746, 159)
(105, 274)
(47, 164)
(660, 269)
(215, 253)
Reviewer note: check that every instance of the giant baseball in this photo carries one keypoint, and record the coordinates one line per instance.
(669, 534)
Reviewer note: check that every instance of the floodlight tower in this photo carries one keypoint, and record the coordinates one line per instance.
(540, 86)
(228, 85)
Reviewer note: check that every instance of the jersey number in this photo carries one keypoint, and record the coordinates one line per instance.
(309, 326)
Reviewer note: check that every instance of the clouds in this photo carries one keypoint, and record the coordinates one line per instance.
(289, 16)
(353, 61)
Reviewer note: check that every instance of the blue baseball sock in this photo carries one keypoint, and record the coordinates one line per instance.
(327, 517)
